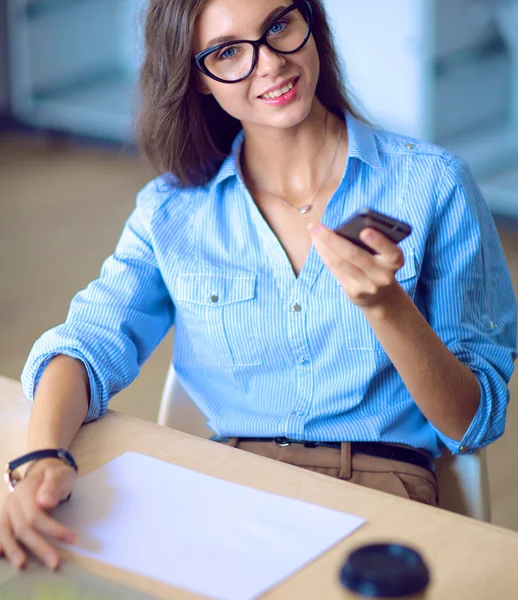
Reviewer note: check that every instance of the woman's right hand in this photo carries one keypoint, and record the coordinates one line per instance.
(25, 520)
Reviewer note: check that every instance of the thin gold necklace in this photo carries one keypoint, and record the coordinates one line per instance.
(307, 207)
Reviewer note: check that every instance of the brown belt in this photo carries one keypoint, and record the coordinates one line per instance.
(419, 458)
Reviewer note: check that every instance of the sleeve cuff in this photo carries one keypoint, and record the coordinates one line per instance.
(34, 370)
(474, 438)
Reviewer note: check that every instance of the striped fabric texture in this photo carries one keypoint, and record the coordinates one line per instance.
(265, 353)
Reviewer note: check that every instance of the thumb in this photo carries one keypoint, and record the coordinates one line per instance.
(54, 488)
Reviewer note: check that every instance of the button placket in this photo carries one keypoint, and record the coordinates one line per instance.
(304, 376)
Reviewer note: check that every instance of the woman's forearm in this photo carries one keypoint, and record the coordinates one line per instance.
(60, 404)
(444, 388)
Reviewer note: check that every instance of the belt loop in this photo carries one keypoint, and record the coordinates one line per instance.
(345, 461)
(233, 442)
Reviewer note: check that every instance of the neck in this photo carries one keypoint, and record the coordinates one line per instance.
(290, 162)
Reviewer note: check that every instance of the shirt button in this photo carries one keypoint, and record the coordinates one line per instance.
(298, 413)
(297, 307)
(410, 146)
(214, 299)
(463, 449)
(304, 362)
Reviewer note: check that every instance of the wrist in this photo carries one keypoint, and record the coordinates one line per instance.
(36, 447)
(12, 475)
(389, 306)
(35, 466)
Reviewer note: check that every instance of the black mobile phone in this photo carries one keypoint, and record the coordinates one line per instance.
(392, 228)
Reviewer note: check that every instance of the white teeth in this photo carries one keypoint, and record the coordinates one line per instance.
(279, 91)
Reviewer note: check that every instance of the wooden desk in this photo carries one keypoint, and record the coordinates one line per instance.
(469, 559)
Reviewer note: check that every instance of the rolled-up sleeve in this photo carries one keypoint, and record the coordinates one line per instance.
(117, 321)
(472, 306)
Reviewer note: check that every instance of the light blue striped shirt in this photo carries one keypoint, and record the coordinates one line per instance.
(206, 261)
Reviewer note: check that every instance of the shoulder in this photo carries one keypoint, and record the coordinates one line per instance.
(419, 151)
(425, 161)
(163, 197)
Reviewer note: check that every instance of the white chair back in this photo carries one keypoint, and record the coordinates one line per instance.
(462, 479)
(464, 484)
(178, 411)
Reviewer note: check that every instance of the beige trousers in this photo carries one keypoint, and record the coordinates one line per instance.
(392, 476)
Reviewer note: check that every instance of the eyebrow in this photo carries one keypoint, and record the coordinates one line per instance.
(229, 38)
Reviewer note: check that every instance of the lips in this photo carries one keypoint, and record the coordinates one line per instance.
(279, 90)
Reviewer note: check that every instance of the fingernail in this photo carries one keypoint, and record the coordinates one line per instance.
(70, 539)
(51, 561)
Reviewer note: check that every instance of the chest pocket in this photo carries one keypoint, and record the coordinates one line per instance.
(407, 275)
(359, 333)
(218, 313)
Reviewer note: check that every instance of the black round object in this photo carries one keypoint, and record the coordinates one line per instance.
(385, 571)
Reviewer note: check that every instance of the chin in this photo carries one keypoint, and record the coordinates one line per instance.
(284, 116)
(290, 118)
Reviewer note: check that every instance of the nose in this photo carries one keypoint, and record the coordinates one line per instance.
(268, 61)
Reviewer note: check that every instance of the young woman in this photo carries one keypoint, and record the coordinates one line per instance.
(296, 343)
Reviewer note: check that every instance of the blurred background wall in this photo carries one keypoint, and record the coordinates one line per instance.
(3, 62)
(442, 70)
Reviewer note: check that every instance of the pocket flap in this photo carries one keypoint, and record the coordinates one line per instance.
(215, 290)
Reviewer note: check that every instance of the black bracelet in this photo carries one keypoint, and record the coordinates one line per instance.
(11, 466)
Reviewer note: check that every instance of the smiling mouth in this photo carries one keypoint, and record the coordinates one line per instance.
(280, 91)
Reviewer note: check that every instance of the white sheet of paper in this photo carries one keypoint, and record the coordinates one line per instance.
(196, 532)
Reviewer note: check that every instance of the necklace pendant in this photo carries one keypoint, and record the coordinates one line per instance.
(304, 209)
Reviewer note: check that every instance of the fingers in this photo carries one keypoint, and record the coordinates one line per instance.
(45, 524)
(25, 531)
(34, 542)
(388, 251)
(24, 518)
(29, 530)
(335, 244)
(338, 252)
(12, 551)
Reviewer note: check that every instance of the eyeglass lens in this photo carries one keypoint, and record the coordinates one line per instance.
(235, 61)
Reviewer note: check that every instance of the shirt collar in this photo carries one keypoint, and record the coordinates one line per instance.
(229, 166)
(362, 145)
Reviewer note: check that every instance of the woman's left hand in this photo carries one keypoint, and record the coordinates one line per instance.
(367, 280)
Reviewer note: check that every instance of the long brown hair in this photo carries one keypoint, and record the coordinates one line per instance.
(187, 134)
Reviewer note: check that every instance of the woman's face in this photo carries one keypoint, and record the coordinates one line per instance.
(245, 20)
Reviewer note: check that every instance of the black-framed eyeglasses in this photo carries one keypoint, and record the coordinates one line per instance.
(234, 61)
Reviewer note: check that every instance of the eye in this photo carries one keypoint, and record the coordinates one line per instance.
(277, 27)
(226, 53)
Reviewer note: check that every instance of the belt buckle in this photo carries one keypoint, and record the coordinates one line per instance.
(282, 442)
